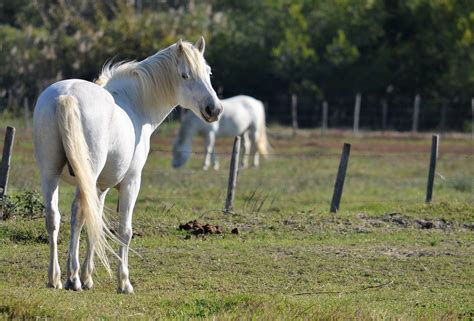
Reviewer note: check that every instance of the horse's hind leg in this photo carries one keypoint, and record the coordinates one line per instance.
(50, 190)
(77, 222)
(87, 268)
(88, 265)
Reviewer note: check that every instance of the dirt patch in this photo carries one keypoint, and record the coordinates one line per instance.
(398, 220)
(469, 226)
(407, 253)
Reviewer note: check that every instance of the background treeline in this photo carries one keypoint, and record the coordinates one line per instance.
(388, 50)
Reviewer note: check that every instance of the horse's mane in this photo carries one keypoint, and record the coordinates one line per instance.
(154, 77)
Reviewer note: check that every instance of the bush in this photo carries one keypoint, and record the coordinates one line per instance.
(26, 205)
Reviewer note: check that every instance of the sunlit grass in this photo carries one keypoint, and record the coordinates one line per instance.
(292, 259)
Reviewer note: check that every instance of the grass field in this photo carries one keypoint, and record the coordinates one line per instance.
(384, 255)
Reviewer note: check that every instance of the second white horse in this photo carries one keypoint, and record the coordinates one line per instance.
(242, 115)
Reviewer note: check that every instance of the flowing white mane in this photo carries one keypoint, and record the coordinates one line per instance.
(153, 78)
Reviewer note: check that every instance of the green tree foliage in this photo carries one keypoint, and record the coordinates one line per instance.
(263, 48)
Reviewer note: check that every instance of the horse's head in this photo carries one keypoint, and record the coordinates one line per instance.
(195, 91)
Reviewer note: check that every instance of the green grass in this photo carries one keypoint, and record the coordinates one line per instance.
(292, 259)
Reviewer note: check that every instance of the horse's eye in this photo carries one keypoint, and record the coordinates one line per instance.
(185, 75)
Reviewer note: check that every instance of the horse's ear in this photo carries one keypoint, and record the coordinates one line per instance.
(201, 44)
(179, 45)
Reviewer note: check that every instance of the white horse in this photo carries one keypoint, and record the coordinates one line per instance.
(242, 115)
(102, 132)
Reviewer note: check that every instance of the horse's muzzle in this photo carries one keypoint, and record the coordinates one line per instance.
(211, 112)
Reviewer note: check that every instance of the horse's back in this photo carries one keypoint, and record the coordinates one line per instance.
(88, 94)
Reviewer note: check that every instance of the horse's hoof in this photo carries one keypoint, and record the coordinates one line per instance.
(57, 285)
(87, 284)
(74, 285)
(127, 289)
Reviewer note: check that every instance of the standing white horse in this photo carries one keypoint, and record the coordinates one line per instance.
(242, 115)
(102, 132)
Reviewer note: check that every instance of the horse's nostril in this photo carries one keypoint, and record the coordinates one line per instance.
(208, 110)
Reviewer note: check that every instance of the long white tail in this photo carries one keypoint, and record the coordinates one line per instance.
(77, 153)
(262, 141)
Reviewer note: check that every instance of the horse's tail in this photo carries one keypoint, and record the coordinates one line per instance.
(262, 142)
(77, 153)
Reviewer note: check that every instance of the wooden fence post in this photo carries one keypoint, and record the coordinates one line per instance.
(416, 112)
(432, 169)
(5, 165)
(324, 125)
(233, 171)
(294, 113)
(357, 113)
(384, 114)
(341, 175)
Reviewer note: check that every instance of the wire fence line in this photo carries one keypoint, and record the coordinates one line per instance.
(326, 178)
(371, 112)
(275, 183)
(314, 154)
(371, 118)
(267, 193)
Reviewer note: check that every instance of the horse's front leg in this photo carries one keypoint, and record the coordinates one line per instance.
(215, 159)
(246, 150)
(88, 265)
(128, 196)
(210, 140)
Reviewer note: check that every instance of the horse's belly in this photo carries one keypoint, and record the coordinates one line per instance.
(66, 176)
(232, 129)
(109, 177)
(113, 173)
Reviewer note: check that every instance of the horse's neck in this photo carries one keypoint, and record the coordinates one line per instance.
(159, 115)
(126, 96)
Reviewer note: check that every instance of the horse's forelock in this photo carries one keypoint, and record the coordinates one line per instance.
(195, 60)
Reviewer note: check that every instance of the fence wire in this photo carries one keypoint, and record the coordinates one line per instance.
(256, 186)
